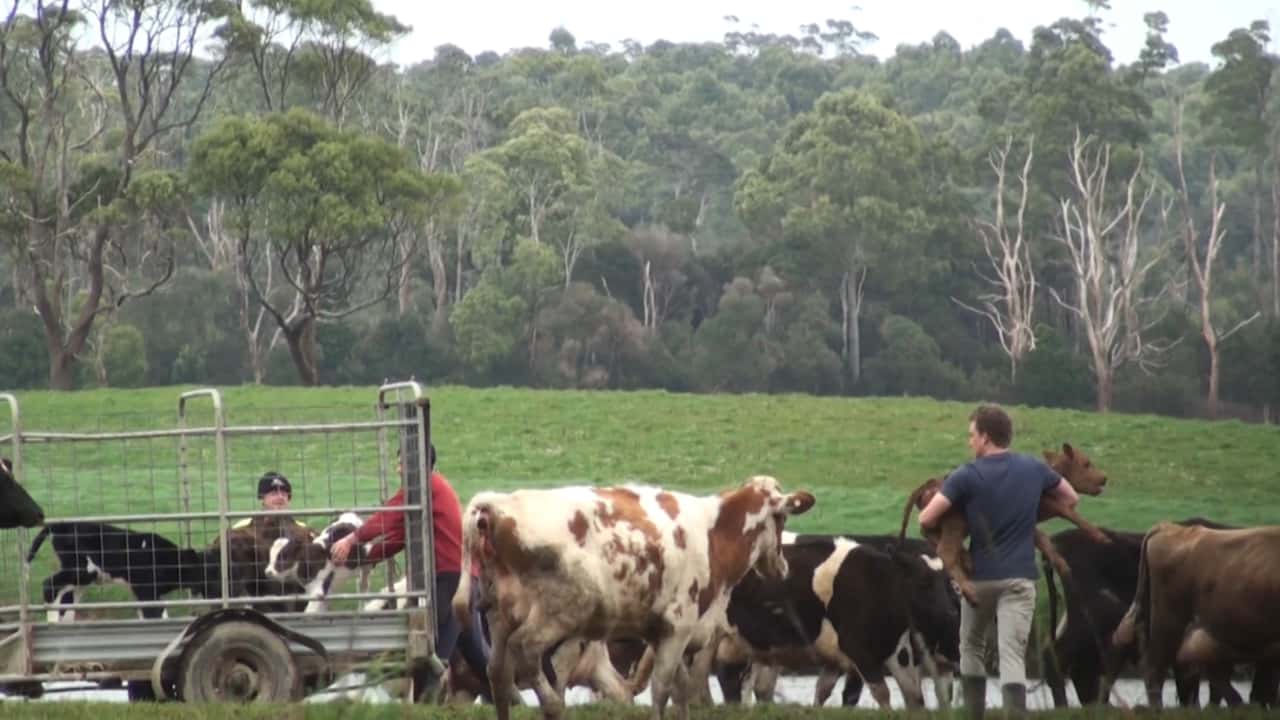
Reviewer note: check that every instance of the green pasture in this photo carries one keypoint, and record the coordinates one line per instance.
(859, 456)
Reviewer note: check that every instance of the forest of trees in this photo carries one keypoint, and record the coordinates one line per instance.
(216, 192)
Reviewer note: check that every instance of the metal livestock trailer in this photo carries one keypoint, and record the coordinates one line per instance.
(218, 648)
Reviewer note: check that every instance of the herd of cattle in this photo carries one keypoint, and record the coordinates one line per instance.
(619, 589)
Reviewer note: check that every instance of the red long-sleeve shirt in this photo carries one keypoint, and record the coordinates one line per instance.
(446, 521)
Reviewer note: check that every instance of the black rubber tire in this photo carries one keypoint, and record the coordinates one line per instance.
(238, 661)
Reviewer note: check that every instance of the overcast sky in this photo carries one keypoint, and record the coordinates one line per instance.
(479, 25)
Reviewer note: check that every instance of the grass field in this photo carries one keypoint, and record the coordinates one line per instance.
(342, 711)
(860, 457)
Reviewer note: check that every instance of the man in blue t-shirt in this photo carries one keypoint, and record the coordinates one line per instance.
(999, 493)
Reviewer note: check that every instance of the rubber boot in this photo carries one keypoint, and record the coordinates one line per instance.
(975, 695)
(1013, 698)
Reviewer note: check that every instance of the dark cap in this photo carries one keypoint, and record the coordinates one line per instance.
(273, 480)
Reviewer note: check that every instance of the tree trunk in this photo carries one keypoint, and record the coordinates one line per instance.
(1104, 374)
(405, 294)
(850, 313)
(61, 368)
(1212, 403)
(1258, 260)
(1275, 234)
(301, 337)
(533, 214)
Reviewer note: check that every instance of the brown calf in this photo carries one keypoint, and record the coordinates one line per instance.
(948, 537)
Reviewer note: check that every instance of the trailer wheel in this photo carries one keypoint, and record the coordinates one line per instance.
(239, 662)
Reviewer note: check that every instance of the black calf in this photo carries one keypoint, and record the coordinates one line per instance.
(150, 564)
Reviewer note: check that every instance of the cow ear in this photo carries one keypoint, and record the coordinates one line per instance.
(799, 502)
(1068, 450)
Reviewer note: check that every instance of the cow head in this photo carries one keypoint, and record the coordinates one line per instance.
(1078, 470)
(294, 559)
(767, 509)
(17, 509)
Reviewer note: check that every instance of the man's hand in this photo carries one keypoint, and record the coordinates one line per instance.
(341, 549)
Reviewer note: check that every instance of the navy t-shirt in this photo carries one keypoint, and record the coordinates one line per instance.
(1000, 496)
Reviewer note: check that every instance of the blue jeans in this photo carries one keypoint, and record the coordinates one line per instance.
(472, 643)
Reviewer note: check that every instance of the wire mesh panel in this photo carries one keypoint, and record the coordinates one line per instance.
(135, 497)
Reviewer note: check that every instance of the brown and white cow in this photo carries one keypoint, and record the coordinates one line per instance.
(1205, 598)
(602, 563)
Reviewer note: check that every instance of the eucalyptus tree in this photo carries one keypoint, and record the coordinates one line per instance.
(841, 194)
(86, 126)
(320, 207)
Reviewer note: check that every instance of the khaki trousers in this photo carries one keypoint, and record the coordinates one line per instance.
(1010, 604)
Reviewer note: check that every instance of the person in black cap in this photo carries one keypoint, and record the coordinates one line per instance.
(276, 493)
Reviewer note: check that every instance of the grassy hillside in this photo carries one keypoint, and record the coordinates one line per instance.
(860, 457)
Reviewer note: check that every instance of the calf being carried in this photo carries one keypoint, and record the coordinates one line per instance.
(1072, 464)
(310, 563)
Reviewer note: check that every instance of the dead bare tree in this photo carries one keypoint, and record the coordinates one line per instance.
(662, 254)
(1201, 255)
(224, 253)
(1011, 305)
(1103, 244)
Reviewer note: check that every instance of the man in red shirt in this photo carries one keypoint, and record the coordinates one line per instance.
(446, 527)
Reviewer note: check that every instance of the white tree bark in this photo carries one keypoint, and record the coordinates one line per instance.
(1011, 304)
(1201, 256)
(1103, 245)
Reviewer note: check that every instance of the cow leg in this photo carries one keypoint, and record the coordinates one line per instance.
(668, 658)
(1157, 658)
(1086, 676)
(64, 588)
(1266, 685)
(852, 691)
(528, 645)
(642, 672)
(607, 682)
(764, 682)
(1186, 683)
(732, 677)
(1220, 687)
(905, 673)
(501, 677)
(700, 672)
(827, 679)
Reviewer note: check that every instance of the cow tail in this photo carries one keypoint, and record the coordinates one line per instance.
(1052, 589)
(1142, 595)
(37, 542)
(475, 516)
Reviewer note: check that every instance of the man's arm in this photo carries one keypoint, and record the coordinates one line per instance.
(934, 511)
(1064, 494)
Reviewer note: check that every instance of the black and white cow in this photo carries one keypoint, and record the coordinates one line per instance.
(150, 564)
(846, 607)
(310, 564)
(17, 508)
